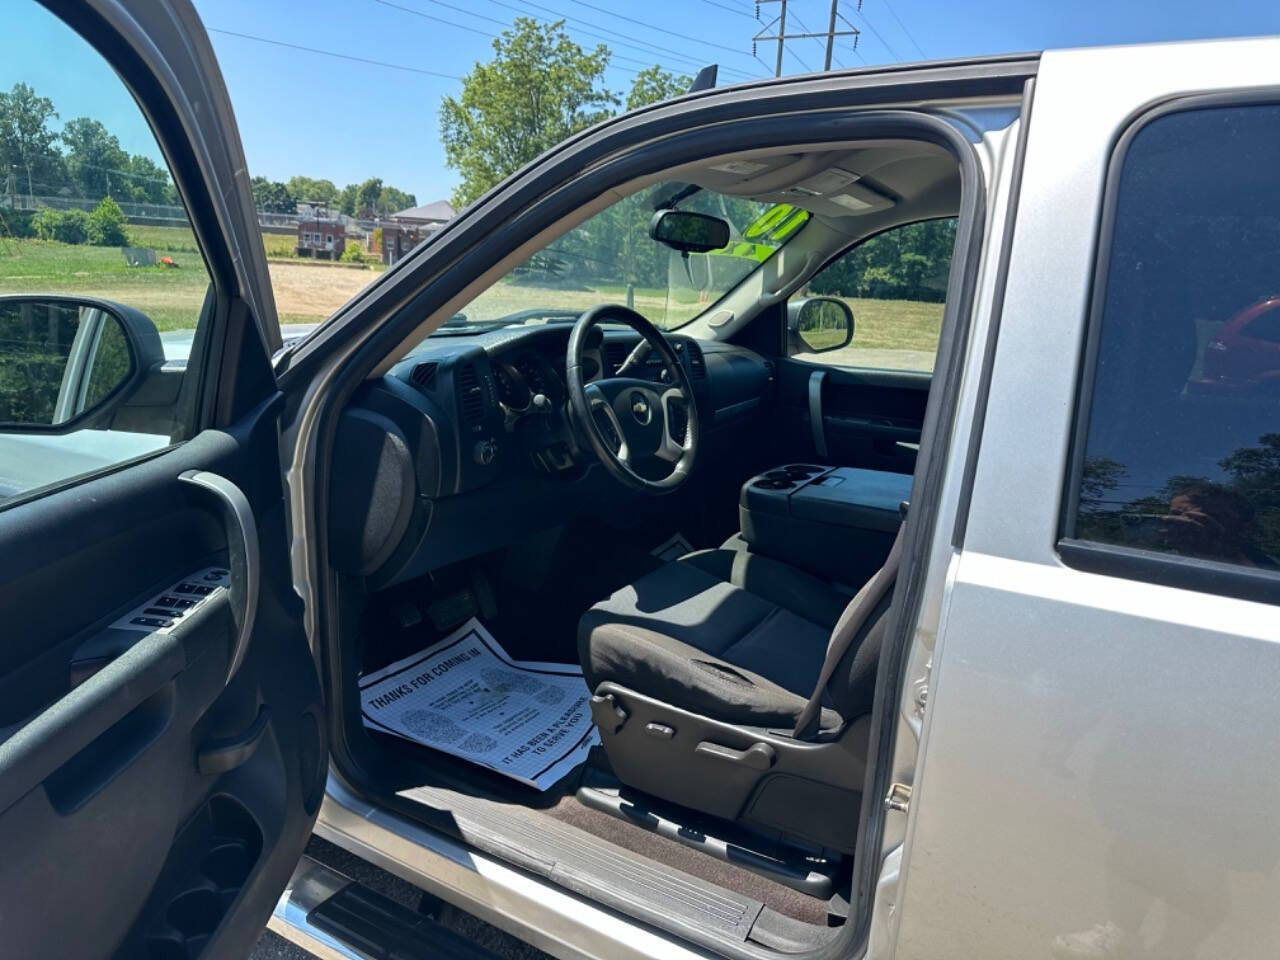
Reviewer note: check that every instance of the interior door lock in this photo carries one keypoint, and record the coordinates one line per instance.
(899, 797)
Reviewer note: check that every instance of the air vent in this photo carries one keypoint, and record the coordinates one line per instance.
(470, 397)
(615, 355)
(697, 365)
(424, 375)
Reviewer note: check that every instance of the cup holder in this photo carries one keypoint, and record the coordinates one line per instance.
(801, 470)
(227, 864)
(767, 484)
(195, 913)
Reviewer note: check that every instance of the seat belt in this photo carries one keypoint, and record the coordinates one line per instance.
(849, 625)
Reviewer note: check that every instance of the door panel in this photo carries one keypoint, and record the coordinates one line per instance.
(102, 791)
(162, 755)
(869, 418)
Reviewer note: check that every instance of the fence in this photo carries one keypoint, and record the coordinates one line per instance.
(161, 214)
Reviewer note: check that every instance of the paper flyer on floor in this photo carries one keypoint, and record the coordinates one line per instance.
(465, 696)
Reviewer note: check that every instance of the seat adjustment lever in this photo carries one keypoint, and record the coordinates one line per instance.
(607, 713)
(758, 756)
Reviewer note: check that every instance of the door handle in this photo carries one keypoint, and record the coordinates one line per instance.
(242, 554)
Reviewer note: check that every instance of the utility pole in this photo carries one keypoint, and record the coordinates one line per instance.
(782, 36)
(780, 23)
(831, 33)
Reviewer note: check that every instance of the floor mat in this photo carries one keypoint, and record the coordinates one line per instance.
(465, 696)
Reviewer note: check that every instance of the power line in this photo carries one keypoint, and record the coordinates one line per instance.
(781, 36)
(485, 33)
(895, 16)
(725, 6)
(635, 44)
(331, 53)
(435, 19)
(876, 33)
(650, 26)
(805, 27)
(795, 56)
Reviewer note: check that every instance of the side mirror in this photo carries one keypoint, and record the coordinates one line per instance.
(689, 232)
(68, 362)
(817, 324)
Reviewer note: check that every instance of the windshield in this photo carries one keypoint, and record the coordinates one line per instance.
(610, 258)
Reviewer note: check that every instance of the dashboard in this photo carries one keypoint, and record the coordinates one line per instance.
(469, 437)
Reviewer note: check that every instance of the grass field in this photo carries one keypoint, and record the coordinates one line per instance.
(171, 297)
(181, 240)
(887, 333)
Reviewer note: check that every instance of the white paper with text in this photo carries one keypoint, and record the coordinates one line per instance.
(465, 696)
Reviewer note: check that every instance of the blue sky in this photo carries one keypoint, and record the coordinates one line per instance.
(303, 112)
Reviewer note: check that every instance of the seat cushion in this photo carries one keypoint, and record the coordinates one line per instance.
(689, 635)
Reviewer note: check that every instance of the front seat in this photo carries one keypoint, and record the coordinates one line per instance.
(701, 672)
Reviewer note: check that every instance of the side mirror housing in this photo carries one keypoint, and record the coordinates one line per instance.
(689, 232)
(818, 324)
(69, 362)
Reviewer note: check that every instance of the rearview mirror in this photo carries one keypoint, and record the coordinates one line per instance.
(818, 324)
(689, 232)
(66, 360)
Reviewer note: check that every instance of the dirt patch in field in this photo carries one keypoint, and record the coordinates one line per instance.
(310, 291)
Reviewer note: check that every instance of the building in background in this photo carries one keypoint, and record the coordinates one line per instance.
(321, 238)
(403, 231)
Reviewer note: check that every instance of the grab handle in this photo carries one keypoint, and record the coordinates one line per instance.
(242, 555)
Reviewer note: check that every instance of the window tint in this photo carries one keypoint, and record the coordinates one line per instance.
(1182, 450)
(102, 283)
(895, 283)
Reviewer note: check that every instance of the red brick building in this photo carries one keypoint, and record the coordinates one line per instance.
(321, 238)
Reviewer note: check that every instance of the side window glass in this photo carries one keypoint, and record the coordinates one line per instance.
(1181, 453)
(894, 285)
(101, 281)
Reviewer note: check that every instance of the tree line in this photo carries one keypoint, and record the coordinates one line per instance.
(83, 159)
(372, 198)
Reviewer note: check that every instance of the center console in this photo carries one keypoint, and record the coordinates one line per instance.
(837, 523)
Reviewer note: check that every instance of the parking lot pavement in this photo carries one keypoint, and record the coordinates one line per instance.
(273, 947)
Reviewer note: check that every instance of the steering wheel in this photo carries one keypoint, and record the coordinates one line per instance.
(627, 420)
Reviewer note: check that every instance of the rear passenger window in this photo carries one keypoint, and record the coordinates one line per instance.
(1181, 450)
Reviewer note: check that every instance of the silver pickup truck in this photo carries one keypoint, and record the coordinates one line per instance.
(836, 516)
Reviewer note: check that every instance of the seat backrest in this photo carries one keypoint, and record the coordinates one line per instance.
(852, 686)
(861, 618)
